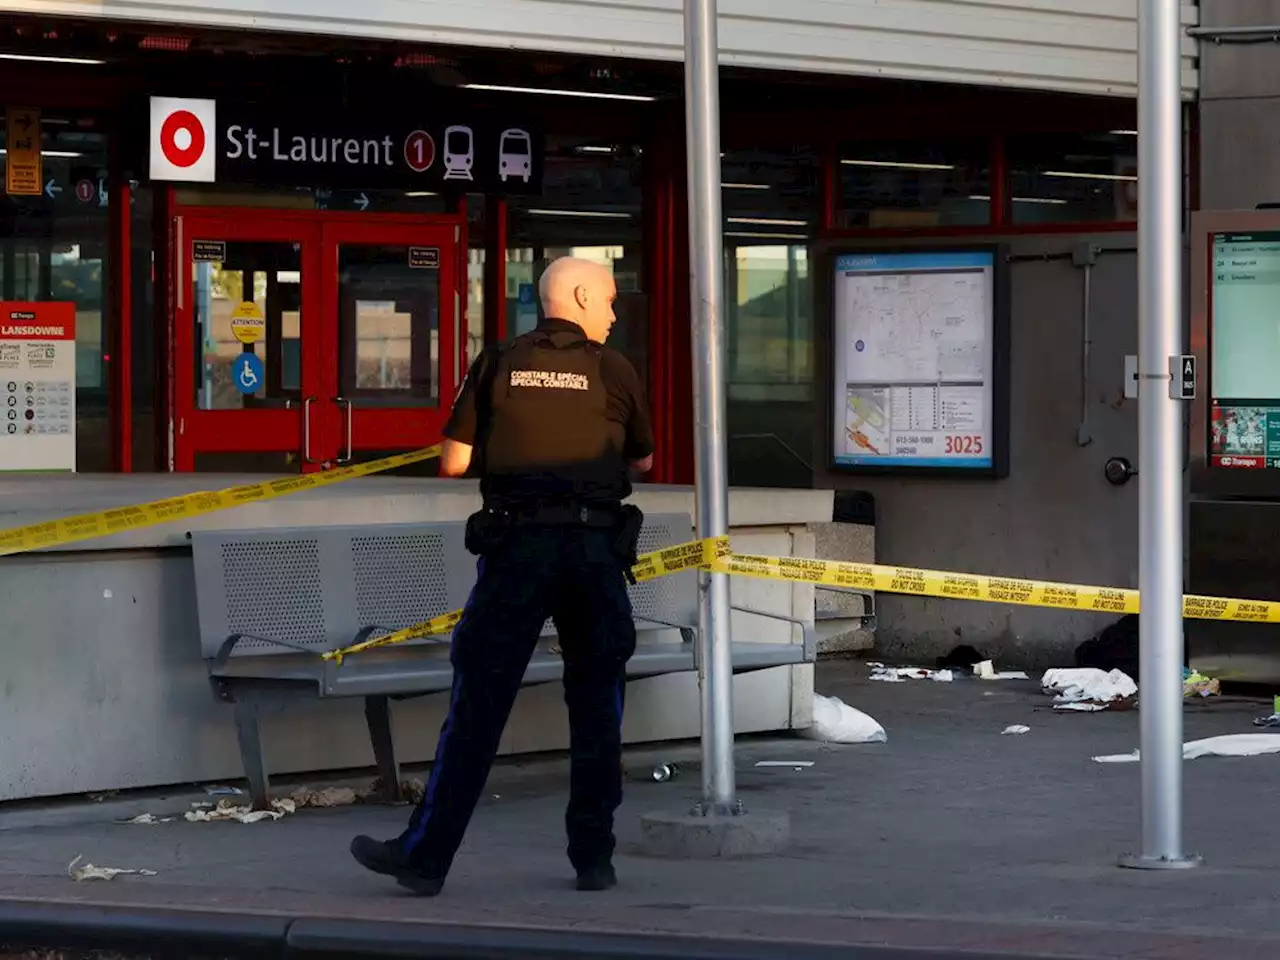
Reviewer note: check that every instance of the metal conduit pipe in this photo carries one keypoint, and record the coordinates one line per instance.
(1259, 34)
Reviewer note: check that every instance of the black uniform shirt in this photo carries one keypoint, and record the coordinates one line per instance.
(553, 418)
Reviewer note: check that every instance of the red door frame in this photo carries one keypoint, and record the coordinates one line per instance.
(323, 427)
(395, 427)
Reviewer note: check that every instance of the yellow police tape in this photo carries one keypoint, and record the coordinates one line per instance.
(715, 556)
(695, 555)
(101, 523)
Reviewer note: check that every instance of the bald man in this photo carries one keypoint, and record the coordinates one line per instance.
(553, 423)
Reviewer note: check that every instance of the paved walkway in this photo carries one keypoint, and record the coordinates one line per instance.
(949, 835)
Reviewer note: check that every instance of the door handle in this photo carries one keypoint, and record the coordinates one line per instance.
(349, 405)
(306, 427)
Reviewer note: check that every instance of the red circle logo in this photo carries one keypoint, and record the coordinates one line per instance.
(174, 124)
(419, 151)
(86, 191)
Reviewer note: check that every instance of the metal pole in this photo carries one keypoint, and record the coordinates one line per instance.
(1160, 438)
(715, 660)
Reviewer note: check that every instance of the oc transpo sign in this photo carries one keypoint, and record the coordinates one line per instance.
(182, 139)
(193, 140)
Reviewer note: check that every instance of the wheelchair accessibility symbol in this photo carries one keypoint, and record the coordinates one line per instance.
(248, 373)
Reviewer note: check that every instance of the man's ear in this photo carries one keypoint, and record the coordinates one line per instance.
(580, 296)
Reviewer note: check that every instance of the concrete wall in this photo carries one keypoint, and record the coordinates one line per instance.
(1054, 517)
(103, 686)
(1239, 109)
(1232, 545)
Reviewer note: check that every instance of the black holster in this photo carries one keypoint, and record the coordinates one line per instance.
(486, 529)
(627, 539)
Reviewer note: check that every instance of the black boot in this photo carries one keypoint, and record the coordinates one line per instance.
(385, 858)
(599, 877)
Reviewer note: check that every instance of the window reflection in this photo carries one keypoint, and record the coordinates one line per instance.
(591, 207)
(53, 247)
(771, 351)
(914, 184)
(771, 207)
(1062, 178)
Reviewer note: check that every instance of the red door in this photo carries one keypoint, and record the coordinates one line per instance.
(393, 315)
(308, 339)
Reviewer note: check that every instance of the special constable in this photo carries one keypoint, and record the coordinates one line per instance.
(553, 422)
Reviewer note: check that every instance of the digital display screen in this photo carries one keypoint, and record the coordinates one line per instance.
(913, 359)
(1244, 351)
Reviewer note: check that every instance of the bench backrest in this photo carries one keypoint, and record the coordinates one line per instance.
(317, 587)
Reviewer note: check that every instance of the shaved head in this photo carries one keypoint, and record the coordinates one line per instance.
(581, 292)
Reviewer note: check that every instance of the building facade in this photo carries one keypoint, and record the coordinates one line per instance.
(382, 184)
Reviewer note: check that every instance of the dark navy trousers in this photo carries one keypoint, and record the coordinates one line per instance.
(571, 575)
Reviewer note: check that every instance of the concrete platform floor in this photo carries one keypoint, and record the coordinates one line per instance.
(949, 835)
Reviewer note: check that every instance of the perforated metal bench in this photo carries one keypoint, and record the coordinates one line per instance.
(271, 601)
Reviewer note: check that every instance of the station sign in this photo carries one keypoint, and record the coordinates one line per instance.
(208, 141)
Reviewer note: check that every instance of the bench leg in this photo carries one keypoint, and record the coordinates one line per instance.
(377, 713)
(249, 735)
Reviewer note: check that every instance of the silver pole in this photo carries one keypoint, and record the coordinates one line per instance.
(715, 657)
(1160, 439)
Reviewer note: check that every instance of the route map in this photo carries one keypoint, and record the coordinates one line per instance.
(913, 361)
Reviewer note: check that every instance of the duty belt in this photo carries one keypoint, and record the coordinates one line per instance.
(566, 514)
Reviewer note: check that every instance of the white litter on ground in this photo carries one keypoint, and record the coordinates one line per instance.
(885, 674)
(784, 763)
(88, 871)
(834, 721)
(149, 819)
(224, 809)
(986, 670)
(1015, 730)
(1230, 745)
(1088, 685)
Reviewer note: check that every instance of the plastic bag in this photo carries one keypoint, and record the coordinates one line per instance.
(834, 721)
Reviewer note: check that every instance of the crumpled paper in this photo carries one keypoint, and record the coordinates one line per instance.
(885, 674)
(1087, 688)
(1198, 685)
(303, 797)
(88, 871)
(324, 797)
(227, 809)
(1015, 730)
(149, 819)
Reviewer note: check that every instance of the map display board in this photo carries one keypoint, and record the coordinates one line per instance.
(37, 386)
(914, 361)
(1244, 352)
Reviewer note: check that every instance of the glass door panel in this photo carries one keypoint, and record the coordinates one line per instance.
(248, 323)
(395, 287)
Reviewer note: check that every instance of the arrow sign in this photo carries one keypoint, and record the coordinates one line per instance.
(362, 201)
(51, 189)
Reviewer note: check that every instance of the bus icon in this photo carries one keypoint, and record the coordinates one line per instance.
(459, 153)
(515, 155)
